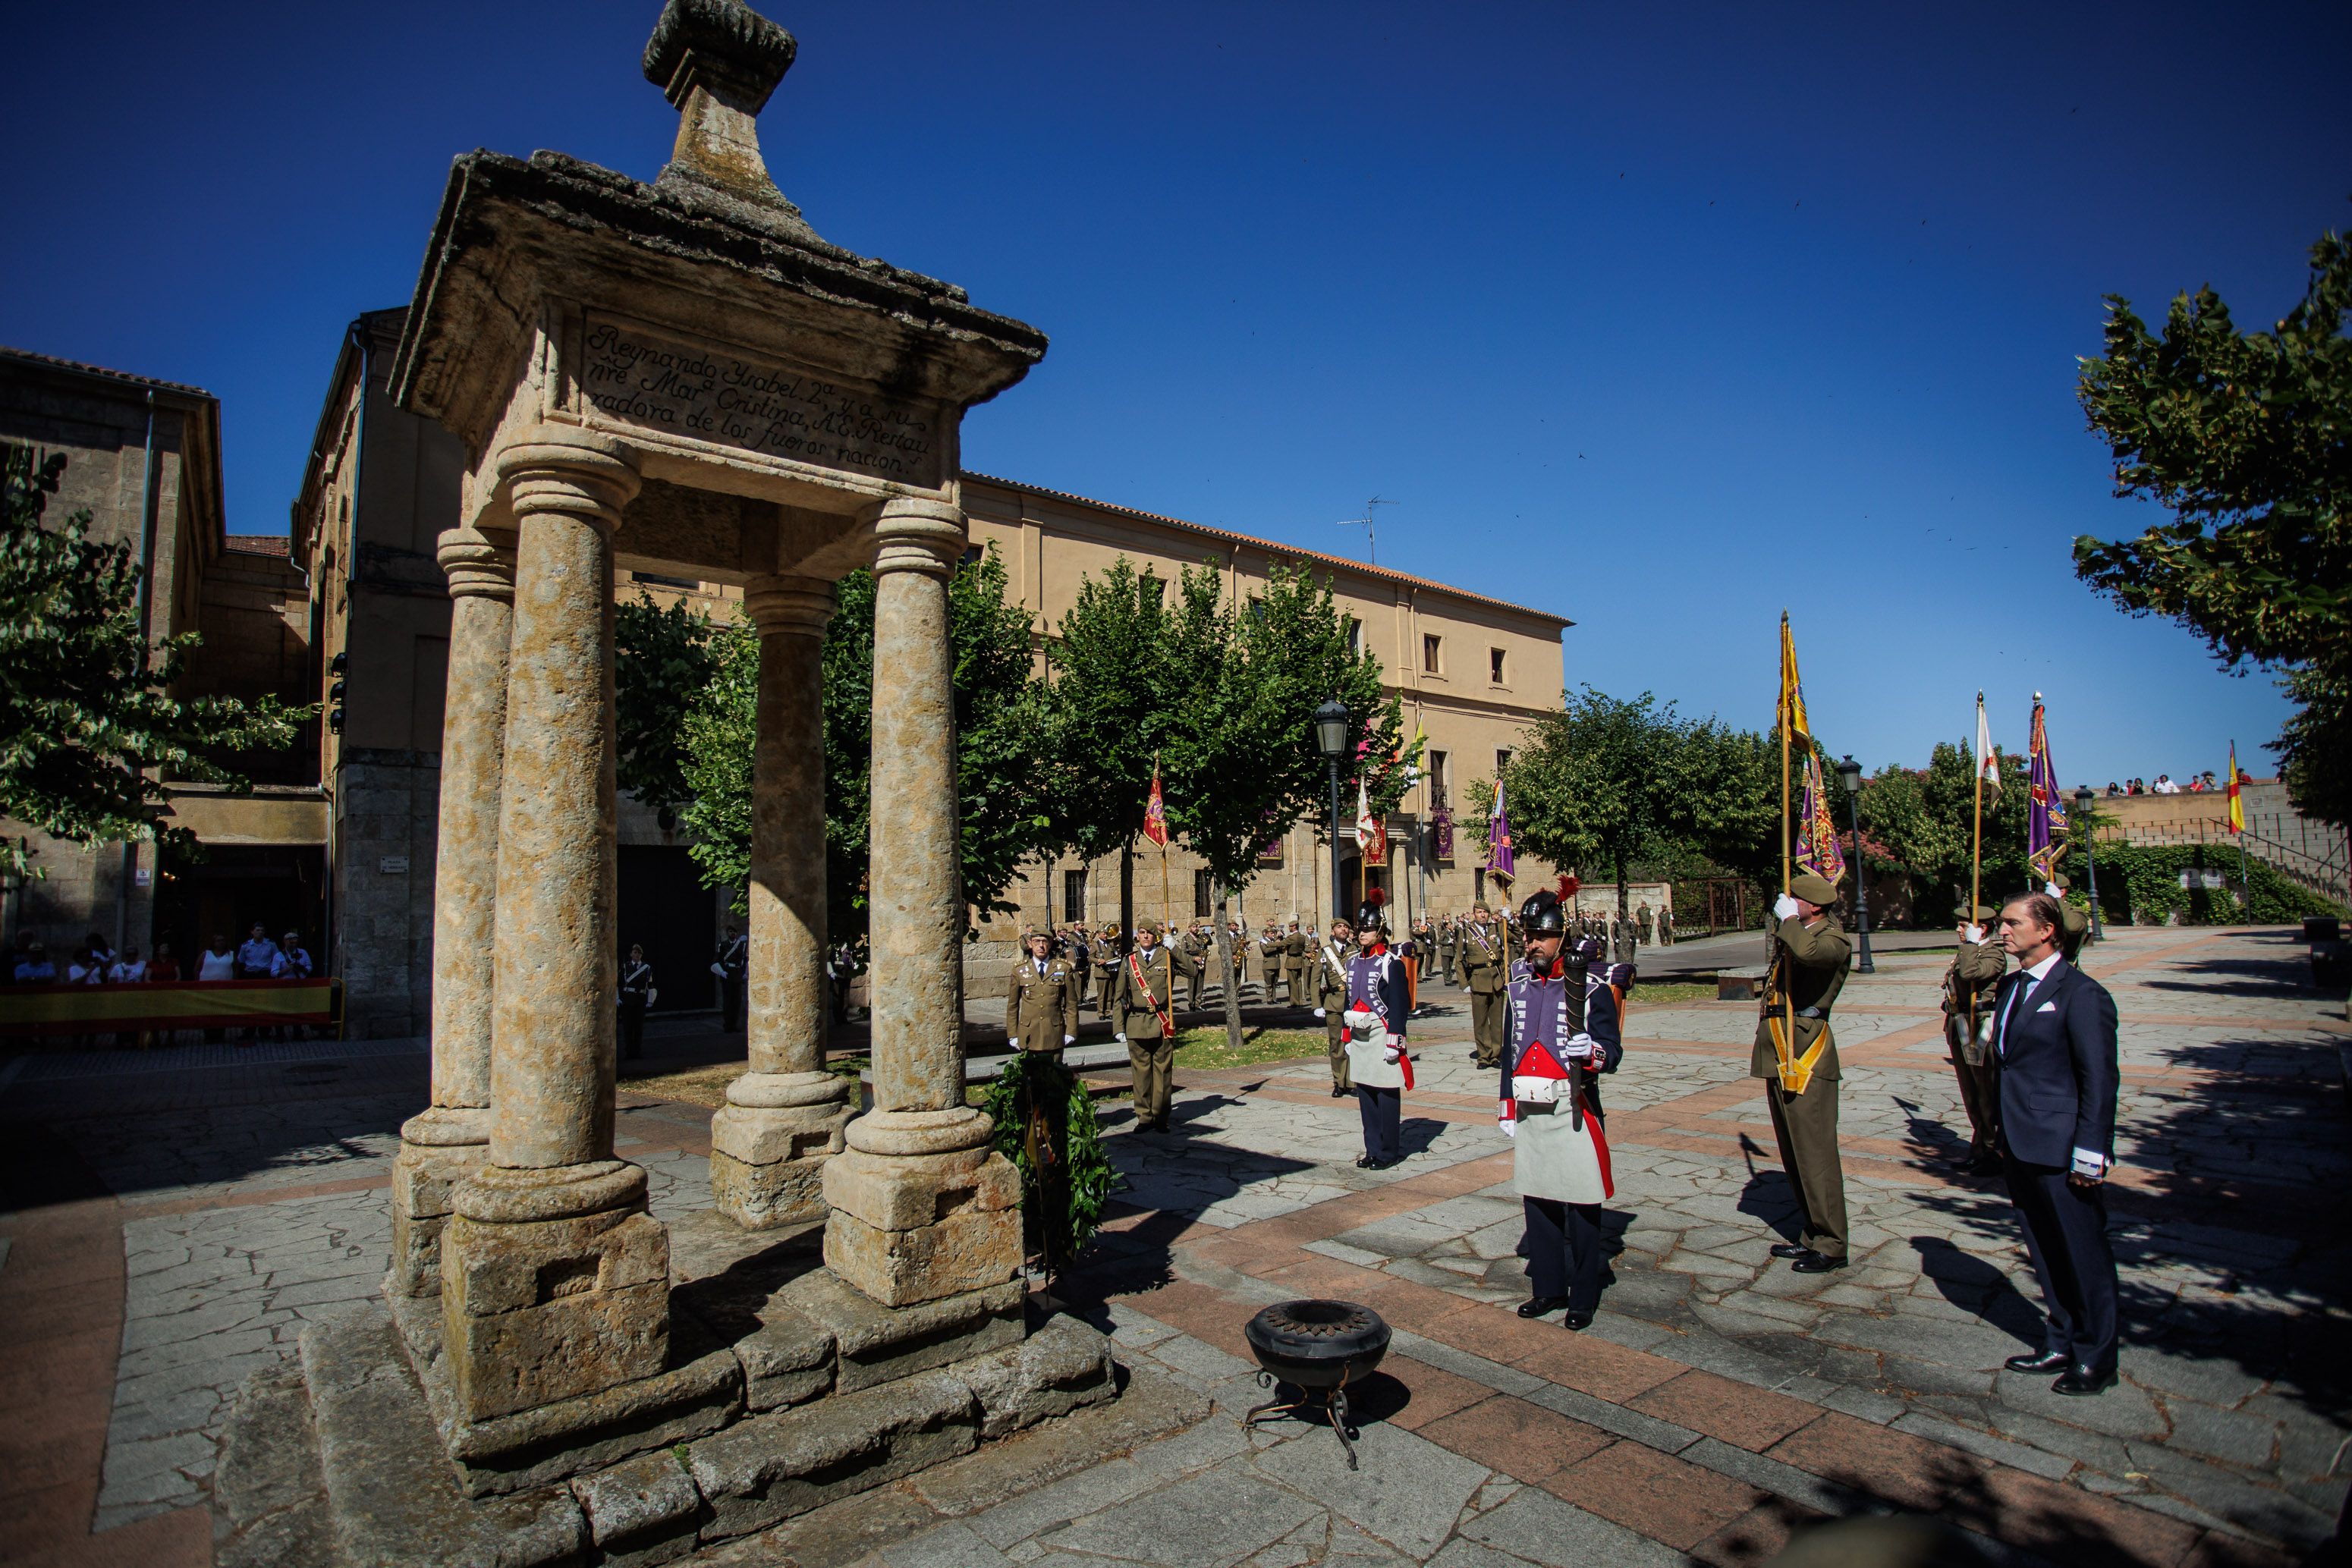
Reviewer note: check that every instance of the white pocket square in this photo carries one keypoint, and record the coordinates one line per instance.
(2047, 1008)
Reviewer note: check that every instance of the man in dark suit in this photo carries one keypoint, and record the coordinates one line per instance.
(2055, 1039)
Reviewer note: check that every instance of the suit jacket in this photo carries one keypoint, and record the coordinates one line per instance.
(2058, 1076)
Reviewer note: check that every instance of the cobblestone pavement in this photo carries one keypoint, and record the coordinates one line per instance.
(1717, 1402)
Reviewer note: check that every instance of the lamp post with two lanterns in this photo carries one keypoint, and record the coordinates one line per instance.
(1849, 774)
(1331, 740)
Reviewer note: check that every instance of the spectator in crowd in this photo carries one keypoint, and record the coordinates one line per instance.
(16, 955)
(2113, 789)
(218, 963)
(127, 970)
(256, 955)
(89, 966)
(637, 994)
(33, 966)
(162, 966)
(292, 963)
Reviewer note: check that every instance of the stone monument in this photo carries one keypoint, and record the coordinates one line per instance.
(684, 378)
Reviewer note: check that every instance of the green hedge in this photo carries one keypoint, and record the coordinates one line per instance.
(2139, 884)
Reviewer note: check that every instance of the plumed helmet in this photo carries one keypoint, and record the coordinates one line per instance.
(1540, 915)
(1370, 918)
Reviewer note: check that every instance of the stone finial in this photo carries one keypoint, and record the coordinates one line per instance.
(717, 61)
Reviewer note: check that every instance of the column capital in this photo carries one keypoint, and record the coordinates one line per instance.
(914, 533)
(788, 603)
(479, 565)
(559, 468)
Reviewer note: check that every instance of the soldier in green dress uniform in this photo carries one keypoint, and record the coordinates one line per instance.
(1810, 954)
(1330, 992)
(1487, 970)
(1145, 989)
(1969, 988)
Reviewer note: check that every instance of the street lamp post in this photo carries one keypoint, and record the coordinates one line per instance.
(2083, 799)
(1849, 773)
(1331, 740)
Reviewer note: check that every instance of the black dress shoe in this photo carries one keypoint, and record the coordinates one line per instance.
(1790, 1249)
(1363, 1162)
(2082, 1380)
(1575, 1320)
(1339, 1093)
(1816, 1263)
(2043, 1361)
(1541, 1305)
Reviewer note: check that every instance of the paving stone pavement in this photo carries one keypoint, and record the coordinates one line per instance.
(1718, 1402)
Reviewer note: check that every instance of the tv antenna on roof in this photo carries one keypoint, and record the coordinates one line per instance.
(1371, 540)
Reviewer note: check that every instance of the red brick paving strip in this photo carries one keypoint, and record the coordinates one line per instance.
(1656, 1494)
(1739, 1412)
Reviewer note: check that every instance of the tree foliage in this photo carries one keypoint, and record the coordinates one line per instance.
(89, 726)
(1000, 722)
(668, 662)
(2242, 437)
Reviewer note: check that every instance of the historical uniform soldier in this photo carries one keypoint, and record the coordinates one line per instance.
(637, 994)
(1269, 959)
(1106, 955)
(1146, 992)
(1799, 1066)
(1486, 966)
(1374, 1012)
(1330, 993)
(734, 962)
(1563, 1035)
(1969, 986)
(1041, 998)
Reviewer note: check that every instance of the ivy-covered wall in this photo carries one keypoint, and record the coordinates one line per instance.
(2139, 884)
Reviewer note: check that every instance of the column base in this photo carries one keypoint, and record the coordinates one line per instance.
(769, 1146)
(910, 1227)
(440, 1147)
(555, 1284)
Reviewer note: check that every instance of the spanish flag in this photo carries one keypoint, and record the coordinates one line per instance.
(2237, 806)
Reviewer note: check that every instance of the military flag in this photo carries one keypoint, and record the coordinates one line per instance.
(1500, 861)
(1155, 811)
(1371, 833)
(1987, 754)
(2237, 806)
(1817, 849)
(2045, 813)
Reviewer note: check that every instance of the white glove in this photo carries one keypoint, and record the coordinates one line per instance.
(1122, 1039)
(1318, 1012)
(1581, 1045)
(1511, 1127)
(1391, 1054)
(1972, 934)
(1069, 1039)
(1783, 907)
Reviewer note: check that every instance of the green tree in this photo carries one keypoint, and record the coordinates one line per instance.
(1922, 822)
(666, 661)
(2242, 437)
(89, 728)
(999, 712)
(1598, 781)
(1241, 765)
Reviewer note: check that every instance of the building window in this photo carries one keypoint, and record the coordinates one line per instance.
(1201, 891)
(1430, 643)
(1502, 760)
(1073, 897)
(1494, 665)
(1437, 782)
(1355, 638)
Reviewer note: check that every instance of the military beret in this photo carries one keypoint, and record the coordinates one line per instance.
(1150, 925)
(1813, 889)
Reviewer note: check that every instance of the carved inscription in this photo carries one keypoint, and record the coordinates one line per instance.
(712, 395)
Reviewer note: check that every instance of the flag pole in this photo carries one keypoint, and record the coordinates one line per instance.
(1975, 856)
(2238, 832)
(1778, 975)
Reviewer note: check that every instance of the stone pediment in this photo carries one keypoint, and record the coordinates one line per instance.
(801, 339)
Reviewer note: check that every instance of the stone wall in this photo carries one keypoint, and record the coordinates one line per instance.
(387, 807)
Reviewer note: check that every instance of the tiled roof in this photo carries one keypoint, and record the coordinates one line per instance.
(1286, 551)
(125, 377)
(259, 544)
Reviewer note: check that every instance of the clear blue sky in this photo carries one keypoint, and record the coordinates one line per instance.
(1660, 318)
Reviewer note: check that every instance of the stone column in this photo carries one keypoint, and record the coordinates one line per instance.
(782, 1119)
(555, 1282)
(922, 1207)
(444, 1144)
